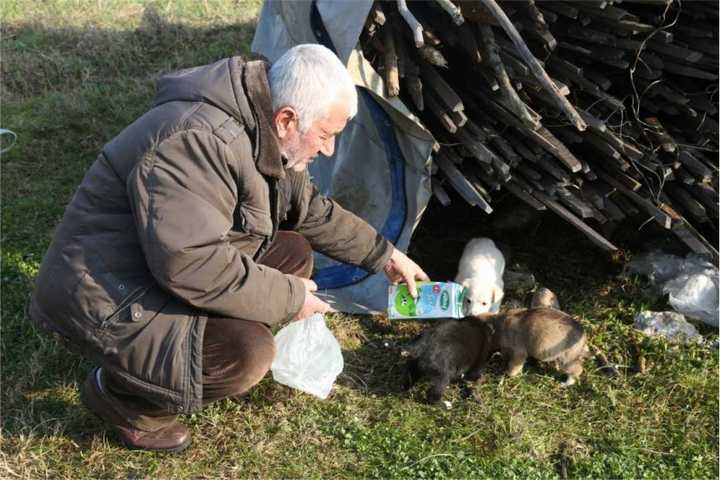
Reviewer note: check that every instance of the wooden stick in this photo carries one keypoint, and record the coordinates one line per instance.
(692, 238)
(440, 193)
(701, 172)
(415, 90)
(493, 58)
(563, 9)
(451, 9)
(707, 197)
(392, 75)
(440, 112)
(687, 202)
(535, 67)
(660, 217)
(624, 204)
(458, 118)
(617, 143)
(516, 190)
(442, 89)
(461, 184)
(412, 22)
(432, 55)
(468, 42)
(614, 212)
(686, 71)
(659, 134)
(566, 215)
(377, 14)
(578, 206)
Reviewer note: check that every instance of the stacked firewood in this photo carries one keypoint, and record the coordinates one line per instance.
(597, 110)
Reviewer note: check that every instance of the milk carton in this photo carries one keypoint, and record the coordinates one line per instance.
(435, 300)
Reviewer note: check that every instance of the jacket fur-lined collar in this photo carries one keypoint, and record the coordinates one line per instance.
(267, 151)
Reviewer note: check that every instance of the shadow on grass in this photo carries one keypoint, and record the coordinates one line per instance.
(377, 368)
(38, 60)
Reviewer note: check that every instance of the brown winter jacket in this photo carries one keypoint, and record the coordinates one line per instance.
(166, 226)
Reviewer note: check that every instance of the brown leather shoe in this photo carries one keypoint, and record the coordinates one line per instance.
(173, 438)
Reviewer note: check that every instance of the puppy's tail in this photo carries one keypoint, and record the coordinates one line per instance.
(602, 361)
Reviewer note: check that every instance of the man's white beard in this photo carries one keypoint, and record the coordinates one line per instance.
(294, 162)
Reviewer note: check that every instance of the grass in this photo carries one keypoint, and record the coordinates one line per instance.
(74, 73)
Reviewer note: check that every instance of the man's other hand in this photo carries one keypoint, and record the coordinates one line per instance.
(401, 269)
(312, 303)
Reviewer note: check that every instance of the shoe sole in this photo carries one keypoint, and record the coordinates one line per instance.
(179, 449)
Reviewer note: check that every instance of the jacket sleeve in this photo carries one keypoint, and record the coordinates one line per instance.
(335, 231)
(183, 195)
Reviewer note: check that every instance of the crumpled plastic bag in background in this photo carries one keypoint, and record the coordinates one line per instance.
(691, 283)
(671, 325)
(307, 357)
(695, 295)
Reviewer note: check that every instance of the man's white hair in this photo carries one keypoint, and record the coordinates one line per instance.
(310, 79)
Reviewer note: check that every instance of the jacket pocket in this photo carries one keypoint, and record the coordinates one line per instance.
(130, 308)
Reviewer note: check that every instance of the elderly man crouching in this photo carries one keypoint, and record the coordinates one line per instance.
(192, 233)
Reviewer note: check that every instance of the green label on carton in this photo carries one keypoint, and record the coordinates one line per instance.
(405, 303)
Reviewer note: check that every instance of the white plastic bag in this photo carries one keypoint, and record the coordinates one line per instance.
(308, 356)
(695, 295)
(691, 283)
(671, 325)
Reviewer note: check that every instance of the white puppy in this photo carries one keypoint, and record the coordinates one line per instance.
(481, 273)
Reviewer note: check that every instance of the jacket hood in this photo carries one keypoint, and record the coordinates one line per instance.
(238, 88)
(213, 84)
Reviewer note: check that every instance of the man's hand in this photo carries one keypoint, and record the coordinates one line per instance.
(312, 303)
(401, 269)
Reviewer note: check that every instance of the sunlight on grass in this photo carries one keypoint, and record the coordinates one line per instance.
(121, 15)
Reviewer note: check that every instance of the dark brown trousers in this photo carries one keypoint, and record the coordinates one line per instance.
(236, 353)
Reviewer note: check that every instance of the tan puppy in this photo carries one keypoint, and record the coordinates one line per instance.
(545, 334)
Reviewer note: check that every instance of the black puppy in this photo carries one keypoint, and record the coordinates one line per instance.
(446, 351)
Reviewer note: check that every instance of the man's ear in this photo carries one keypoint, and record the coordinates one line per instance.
(285, 121)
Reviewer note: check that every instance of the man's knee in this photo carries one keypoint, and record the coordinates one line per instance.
(290, 253)
(257, 358)
(236, 356)
(295, 243)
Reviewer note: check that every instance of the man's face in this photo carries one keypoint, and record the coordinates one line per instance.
(301, 148)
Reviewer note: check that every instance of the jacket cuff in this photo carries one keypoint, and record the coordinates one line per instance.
(379, 256)
(297, 297)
